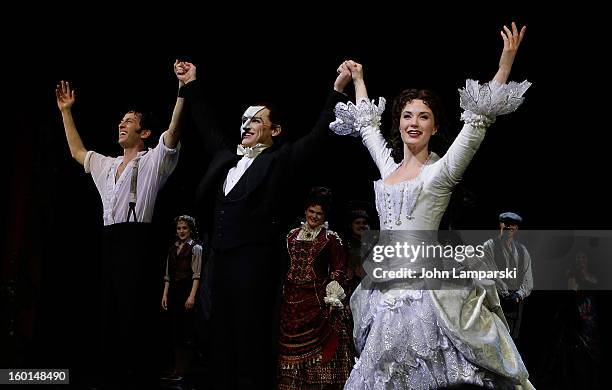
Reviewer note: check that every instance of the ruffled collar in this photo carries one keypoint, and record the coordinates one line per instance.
(308, 234)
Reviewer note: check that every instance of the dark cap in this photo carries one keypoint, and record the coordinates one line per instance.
(510, 217)
(356, 214)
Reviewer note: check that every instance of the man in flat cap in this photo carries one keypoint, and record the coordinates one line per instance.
(505, 252)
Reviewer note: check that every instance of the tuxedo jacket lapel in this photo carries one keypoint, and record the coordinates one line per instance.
(258, 171)
(217, 171)
(252, 177)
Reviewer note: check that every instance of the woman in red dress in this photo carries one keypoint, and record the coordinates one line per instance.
(314, 341)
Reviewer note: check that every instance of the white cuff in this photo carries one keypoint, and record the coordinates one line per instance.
(166, 149)
(492, 99)
(351, 118)
(334, 294)
(477, 120)
(86, 162)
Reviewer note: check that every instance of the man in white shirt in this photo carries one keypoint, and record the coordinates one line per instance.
(128, 187)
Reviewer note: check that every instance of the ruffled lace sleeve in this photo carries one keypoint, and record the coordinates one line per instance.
(482, 104)
(351, 119)
(364, 120)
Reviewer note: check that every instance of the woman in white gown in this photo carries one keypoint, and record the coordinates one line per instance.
(424, 339)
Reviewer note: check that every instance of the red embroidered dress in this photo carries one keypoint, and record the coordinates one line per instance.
(314, 344)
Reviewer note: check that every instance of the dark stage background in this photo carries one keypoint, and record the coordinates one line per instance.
(544, 161)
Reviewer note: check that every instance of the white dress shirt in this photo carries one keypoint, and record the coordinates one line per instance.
(234, 174)
(153, 170)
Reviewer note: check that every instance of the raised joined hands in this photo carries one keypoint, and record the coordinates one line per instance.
(185, 71)
(344, 77)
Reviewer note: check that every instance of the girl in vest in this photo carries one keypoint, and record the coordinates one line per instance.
(182, 279)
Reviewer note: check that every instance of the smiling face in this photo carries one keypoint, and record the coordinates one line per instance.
(417, 124)
(130, 132)
(508, 230)
(257, 128)
(416, 102)
(183, 232)
(314, 216)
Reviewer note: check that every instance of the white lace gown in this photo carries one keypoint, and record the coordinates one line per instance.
(425, 339)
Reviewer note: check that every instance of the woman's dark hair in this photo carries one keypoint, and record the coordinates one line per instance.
(433, 101)
(319, 196)
(191, 222)
(357, 214)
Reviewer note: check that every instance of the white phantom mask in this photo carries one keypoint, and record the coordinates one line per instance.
(247, 117)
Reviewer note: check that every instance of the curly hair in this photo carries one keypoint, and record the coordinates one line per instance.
(319, 196)
(191, 222)
(433, 101)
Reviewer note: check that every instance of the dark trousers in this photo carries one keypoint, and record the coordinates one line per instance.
(129, 299)
(244, 317)
(513, 311)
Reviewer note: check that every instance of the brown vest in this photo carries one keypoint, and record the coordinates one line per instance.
(179, 265)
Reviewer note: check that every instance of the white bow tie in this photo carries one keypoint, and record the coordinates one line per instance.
(251, 152)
